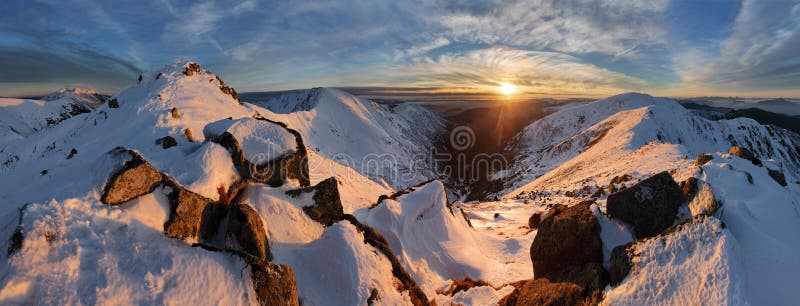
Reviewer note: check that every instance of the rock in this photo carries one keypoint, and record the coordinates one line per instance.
(174, 113)
(274, 284)
(742, 153)
(135, 177)
(542, 292)
(246, 228)
(599, 193)
(166, 142)
(702, 201)
(186, 213)
(703, 159)
(777, 176)
(621, 179)
(568, 248)
(459, 285)
(72, 153)
(650, 206)
(327, 208)
(189, 136)
(689, 187)
(15, 242)
(113, 103)
(533, 221)
(620, 263)
(191, 69)
(374, 296)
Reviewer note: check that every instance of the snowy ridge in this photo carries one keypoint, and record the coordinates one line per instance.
(389, 144)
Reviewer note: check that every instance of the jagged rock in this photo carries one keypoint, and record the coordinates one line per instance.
(701, 200)
(374, 296)
(166, 142)
(186, 213)
(743, 153)
(191, 69)
(599, 193)
(689, 187)
(189, 136)
(620, 263)
(650, 206)
(136, 177)
(533, 221)
(274, 284)
(459, 285)
(702, 159)
(113, 103)
(175, 113)
(227, 90)
(621, 179)
(15, 242)
(568, 248)
(542, 292)
(72, 153)
(246, 228)
(777, 176)
(327, 208)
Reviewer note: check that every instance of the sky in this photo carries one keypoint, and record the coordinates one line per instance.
(555, 48)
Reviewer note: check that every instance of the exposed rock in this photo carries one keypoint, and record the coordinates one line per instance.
(533, 221)
(15, 242)
(188, 133)
(778, 176)
(374, 296)
(599, 193)
(702, 200)
(650, 206)
(621, 179)
(620, 263)
(703, 159)
(246, 228)
(459, 285)
(227, 90)
(166, 142)
(72, 153)
(186, 213)
(191, 69)
(744, 153)
(568, 248)
(275, 285)
(136, 177)
(113, 103)
(542, 292)
(689, 187)
(327, 208)
(175, 113)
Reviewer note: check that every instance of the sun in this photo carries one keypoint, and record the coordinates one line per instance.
(507, 88)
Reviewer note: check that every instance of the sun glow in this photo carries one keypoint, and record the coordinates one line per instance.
(507, 88)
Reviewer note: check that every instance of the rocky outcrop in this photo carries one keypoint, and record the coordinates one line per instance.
(327, 208)
(534, 220)
(275, 285)
(191, 68)
(620, 263)
(744, 154)
(649, 206)
(459, 285)
(134, 178)
(568, 249)
(246, 228)
(542, 292)
(699, 198)
(186, 213)
(703, 159)
(166, 142)
(778, 176)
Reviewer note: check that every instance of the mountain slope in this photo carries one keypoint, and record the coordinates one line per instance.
(390, 144)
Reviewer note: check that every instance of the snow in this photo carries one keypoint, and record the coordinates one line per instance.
(261, 141)
(205, 170)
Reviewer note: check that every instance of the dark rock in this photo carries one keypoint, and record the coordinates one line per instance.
(186, 213)
(72, 153)
(542, 292)
(135, 178)
(175, 113)
(246, 228)
(568, 248)
(43, 172)
(275, 285)
(703, 159)
(459, 285)
(15, 242)
(650, 206)
(113, 103)
(191, 69)
(167, 142)
(621, 179)
(374, 296)
(620, 263)
(160, 74)
(599, 193)
(778, 176)
(743, 153)
(140, 79)
(188, 133)
(496, 215)
(533, 221)
(327, 208)
(689, 187)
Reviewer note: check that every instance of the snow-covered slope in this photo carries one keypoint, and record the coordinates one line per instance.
(390, 144)
(625, 134)
(20, 118)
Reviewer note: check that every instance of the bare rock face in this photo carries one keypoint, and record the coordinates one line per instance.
(534, 220)
(246, 228)
(542, 292)
(745, 154)
(702, 159)
(650, 206)
(568, 248)
(327, 208)
(274, 284)
(620, 263)
(134, 178)
(191, 68)
(186, 213)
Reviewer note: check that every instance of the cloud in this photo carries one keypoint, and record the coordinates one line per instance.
(193, 25)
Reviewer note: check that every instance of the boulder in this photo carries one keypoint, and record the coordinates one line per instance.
(534, 220)
(543, 292)
(620, 263)
(247, 230)
(778, 176)
(134, 178)
(649, 206)
(689, 187)
(327, 208)
(568, 248)
(703, 159)
(742, 153)
(702, 200)
(191, 68)
(186, 213)
(166, 142)
(274, 284)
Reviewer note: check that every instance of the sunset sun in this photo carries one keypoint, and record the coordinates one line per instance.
(507, 88)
